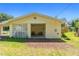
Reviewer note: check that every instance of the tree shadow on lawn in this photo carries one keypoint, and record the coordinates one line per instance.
(31, 39)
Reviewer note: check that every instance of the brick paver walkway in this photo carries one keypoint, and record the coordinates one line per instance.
(61, 47)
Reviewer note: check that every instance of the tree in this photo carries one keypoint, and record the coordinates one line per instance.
(72, 25)
(75, 25)
(4, 17)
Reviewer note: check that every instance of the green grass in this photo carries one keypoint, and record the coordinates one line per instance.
(73, 39)
(17, 47)
(22, 49)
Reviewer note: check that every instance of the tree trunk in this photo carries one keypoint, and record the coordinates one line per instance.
(77, 32)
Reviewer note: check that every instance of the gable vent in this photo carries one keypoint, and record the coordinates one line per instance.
(34, 17)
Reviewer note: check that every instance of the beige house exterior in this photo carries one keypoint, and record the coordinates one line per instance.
(32, 26)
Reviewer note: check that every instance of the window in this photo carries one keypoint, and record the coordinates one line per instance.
(6, 28)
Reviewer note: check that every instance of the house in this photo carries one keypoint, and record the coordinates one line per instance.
(64, 26)
(32, 26)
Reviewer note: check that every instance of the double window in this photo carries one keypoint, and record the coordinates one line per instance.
(5, 28)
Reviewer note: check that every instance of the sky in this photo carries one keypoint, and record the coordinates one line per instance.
(69, 11)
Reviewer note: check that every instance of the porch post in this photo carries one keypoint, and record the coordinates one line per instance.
(29, 30)
(10, 33)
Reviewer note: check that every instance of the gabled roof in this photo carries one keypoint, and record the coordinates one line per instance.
(42, 15)
(38, 14)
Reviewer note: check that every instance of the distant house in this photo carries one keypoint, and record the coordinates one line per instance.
(32, 26)
(64, 26)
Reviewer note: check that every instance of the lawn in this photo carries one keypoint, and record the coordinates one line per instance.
(72, 39)
(22, 49)
(17, 47)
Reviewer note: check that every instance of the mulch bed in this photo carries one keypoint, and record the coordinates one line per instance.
(43, 40)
